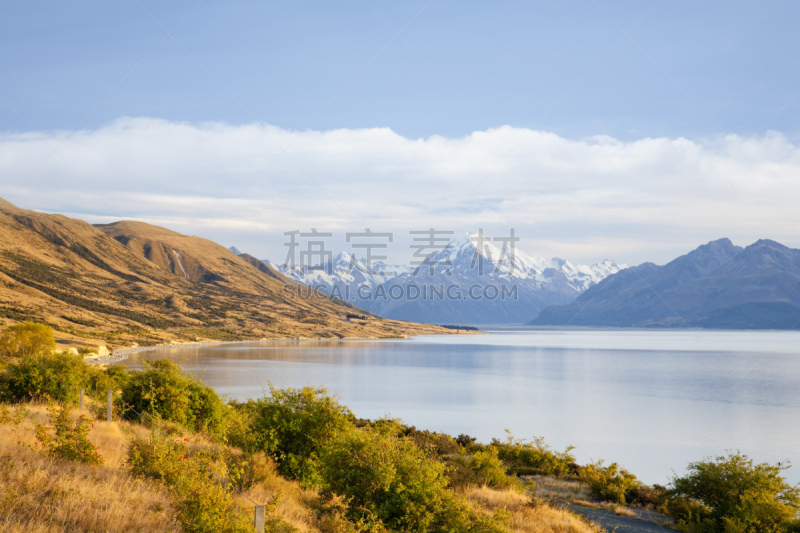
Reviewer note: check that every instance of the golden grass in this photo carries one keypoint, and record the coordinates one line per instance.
(40, 494)
(555, 489)
(294, 503)
(527, 515)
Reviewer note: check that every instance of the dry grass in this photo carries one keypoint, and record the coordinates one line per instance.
(527, 515)
(40, 494)
(560, 490)
(294, 503)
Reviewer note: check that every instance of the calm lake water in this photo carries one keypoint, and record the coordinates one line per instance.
(650, 400)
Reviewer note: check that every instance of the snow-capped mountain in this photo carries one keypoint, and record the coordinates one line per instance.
(470, 281)
(343, 269)
(477, 256)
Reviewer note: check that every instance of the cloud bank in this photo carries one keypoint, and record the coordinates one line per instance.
(584, 199)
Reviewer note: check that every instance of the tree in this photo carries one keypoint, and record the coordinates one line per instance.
(27, 339)
(731, 494)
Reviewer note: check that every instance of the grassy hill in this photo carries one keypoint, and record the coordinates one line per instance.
(131, 282)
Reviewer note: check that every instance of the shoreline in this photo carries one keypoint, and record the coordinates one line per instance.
(121, 354)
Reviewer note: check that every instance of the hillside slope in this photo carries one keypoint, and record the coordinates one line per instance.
(718, 285)
(133, 282)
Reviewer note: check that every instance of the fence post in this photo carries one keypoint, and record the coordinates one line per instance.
(108, 405)
(81, 399)
(259, 519)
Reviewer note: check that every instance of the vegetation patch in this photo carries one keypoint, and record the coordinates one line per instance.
(69, 439)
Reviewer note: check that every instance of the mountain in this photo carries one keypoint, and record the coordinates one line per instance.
(134, 282)
(504, 289)
(718, 285)
(234, 250)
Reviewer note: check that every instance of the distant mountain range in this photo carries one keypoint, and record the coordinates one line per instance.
(718, 285)
(471, 281)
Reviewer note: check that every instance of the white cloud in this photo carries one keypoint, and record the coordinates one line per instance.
(585, 199)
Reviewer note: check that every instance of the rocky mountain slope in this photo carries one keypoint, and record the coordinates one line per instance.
(718, 285)
(132, 282)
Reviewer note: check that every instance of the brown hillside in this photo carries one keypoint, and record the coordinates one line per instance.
(133, 282)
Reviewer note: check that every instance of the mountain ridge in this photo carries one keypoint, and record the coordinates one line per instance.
(131, 282)
(718, 284)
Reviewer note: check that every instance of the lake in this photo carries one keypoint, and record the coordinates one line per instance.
(651, 400)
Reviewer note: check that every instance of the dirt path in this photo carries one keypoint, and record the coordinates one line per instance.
(615, 523)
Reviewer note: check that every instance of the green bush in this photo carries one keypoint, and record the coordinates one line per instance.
(395, 481)
(70, 440)
(26, 340)
(245, 470)
(483, 467)
(438, 443)
(732, 494)
(293, 425)
(56, 375)
(611, 482)
(203, 502)
(534, 455)
(161, 390)
(101, 380)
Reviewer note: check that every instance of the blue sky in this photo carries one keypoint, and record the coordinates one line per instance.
(688, 69)
(703, 71)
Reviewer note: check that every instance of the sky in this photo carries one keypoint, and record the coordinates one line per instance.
(632, 131)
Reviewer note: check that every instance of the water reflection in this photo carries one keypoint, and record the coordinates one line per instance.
(650, 400)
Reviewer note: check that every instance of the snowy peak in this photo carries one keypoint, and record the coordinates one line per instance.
(469, 260)
(343, 268)
(471, 256)
(475, 254)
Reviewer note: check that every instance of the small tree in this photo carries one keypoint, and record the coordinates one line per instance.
(26, 339)
(728, 494)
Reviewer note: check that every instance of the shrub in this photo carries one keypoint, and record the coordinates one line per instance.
(195, 478)
(27, 339)
(465, 440)
(293, 425)
(245, 470)
(653, 497)
(70, 441)
(161, 390)
(534, 455)
(483, 467)
(732, 494)
(394, 481)
(59, 376)
(111, 378)
(611, 482)
(15, 418)
(439, 443)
